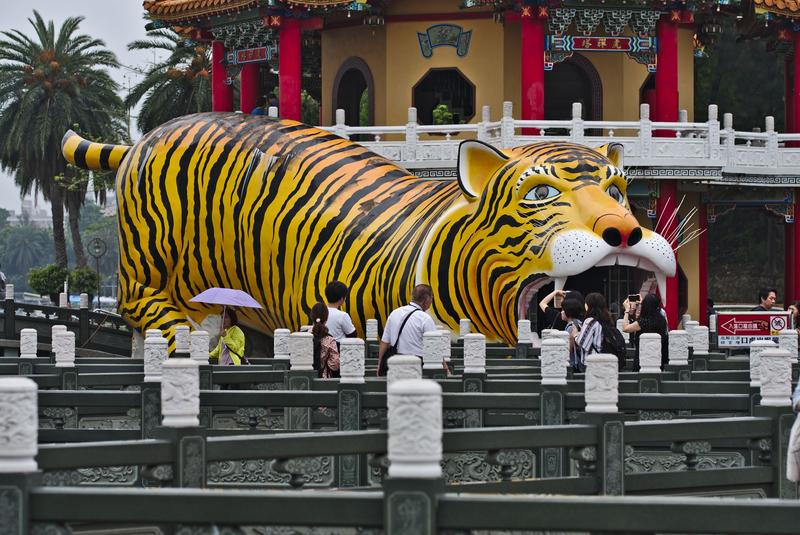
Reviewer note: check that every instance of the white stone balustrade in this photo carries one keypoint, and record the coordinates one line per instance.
(650, 353)
(775, 370)
(403, 367)
(684, 319)
(351, 360)
(153, 332)
(690, 326)
(700, 339)
(280, 344)
(63, 300)
(28, 343)
(19, 416)
(9, 292)
(523, 332)
(431, 356)
(180, 393)
(198, 346)
(155, 353)
(464, 327)
(787, 340)
(65, 349)
(678, 348)
(301, 351)
(415, 429)
(553, 354)
(182, 339)
(372, 330)
(83, 301)
(548, 333)
(474, 353)
(54, 331)
(712, 323)
(756, 348)
(602, 383)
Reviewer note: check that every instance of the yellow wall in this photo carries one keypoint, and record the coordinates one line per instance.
(686, 73)
(343, 43)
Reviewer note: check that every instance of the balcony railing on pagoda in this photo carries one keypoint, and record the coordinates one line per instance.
(705, 150)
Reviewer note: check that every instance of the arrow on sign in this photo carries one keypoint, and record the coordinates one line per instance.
(745, 325)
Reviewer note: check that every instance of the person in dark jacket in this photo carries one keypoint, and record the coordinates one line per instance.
(649, 320)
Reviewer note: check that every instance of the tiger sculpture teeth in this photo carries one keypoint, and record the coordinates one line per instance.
(278, 209)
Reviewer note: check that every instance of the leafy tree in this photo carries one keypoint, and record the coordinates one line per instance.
(84, 280)
(24, 247)
(179, 85)
(49, 83)
(4, 215)
(726, 78)
(48, 280)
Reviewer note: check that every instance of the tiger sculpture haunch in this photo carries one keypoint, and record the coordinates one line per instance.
(278, 209)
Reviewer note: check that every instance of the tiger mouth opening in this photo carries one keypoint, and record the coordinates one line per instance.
(531, 286)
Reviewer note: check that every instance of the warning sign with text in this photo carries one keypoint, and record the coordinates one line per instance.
(740, 328)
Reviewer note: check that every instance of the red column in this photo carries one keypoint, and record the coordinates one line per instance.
(533, 32)
(789, 284)
(249, 90)
(221, 93)
(289, 69)
(702, 263)
(667, 110)
(666, 73)
(795, 238)
(666, 206)
(789, 96)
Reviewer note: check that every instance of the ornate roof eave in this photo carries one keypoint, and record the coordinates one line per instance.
(174, 11)
(787, 8)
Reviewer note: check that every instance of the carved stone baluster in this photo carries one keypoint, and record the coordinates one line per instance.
(757, 347)
(403, 367)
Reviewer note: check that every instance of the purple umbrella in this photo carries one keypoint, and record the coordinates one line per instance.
(226, 297)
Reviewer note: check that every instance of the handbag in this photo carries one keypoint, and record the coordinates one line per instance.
(383, 367)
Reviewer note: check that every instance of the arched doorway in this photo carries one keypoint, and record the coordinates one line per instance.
(353, 92)
(573, 80)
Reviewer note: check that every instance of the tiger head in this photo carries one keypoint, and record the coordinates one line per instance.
(530, 215)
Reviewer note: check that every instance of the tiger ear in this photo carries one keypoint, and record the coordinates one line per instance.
(614, 152)
(477, 161)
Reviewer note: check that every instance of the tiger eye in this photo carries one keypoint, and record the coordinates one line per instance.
(540, 192)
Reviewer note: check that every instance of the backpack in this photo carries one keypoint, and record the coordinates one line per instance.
(614, 343)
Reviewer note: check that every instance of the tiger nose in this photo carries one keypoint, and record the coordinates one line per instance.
(619, 232)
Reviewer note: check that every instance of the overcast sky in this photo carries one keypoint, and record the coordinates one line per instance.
(117, 22)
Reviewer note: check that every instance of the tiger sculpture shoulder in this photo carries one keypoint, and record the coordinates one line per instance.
(278, 209)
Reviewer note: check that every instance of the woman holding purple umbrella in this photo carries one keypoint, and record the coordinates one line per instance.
(230, 348)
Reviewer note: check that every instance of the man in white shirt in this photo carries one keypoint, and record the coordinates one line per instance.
(417, 322)
(339, 324)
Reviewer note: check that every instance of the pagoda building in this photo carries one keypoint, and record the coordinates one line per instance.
(374, 59)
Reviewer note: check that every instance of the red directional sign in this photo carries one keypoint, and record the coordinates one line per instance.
(741, 328)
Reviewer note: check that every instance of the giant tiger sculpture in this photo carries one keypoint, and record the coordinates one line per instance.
(278, 209)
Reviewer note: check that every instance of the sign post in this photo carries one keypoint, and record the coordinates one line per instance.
(738, 329)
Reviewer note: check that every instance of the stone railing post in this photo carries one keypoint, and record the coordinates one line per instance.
(432, 357)
(602, 395)
(486, 117)
(18, 448)
(645, 131)
(729, 154)
(351, 469)
(28, 343)
(713, 140)
(403, 367)
(507, 134)
(464, 327)
(445, 345)
(65, 360)
(474, 374)
(776, 389)
(649, 362)
(340, 128)
(83, 320)
(523, 339)
(272, 112)
(63, 300)
(620, 325)
(415, 478)
(54, 331)
(699, 342)
(155, 354)
(554, 353)
(787, 340)
(679, 354)
(410, 148)
(689, 326)
(9, 313)
(182, 341)
(198, 351)
(772, 141)
(153, 332)
(577, 123)
(685, 318)
(372, 331)
(300, 376)
(757, 347)
(180, 408)
(137, 344)
(280, 349)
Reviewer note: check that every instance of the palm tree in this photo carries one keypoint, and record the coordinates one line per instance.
(48, 83)
(179, 85)
(25, 247)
